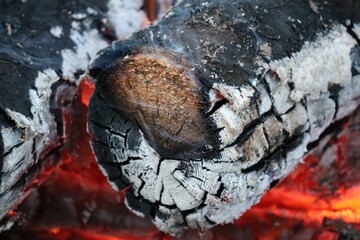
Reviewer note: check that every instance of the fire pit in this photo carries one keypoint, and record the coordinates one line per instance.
(230, 125)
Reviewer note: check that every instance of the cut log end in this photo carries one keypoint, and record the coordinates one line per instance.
(161, 95)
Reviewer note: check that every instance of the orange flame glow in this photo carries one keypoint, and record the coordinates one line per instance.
(282, 202)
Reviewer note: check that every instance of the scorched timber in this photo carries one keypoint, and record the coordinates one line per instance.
(45, 47)
(199, 113)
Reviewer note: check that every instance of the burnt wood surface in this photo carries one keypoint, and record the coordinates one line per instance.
(261, 79)
(35, 36)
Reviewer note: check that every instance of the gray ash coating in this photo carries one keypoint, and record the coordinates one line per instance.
(28, 46)
(28, 50)
(227, 44)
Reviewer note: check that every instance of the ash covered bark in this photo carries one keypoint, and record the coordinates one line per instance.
(264, 79)
(45, 47)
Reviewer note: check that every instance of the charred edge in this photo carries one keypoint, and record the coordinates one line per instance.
(100, 142)
(208, 220)
(12, 149)
(20, 184)
(334, 128)
(109, 129)
(142, 183)
(140, 204)
(128, 160)
(349, 29)
(218, 130)
(220, 190)
(34, 152)
(5, 121)
(267, 88)
(274, 183)
(104, 101)
(58, 106)
(287, 111)
(159, 166)
(161, 190)
(284, 132)
(217, 105)
(156, 206)
(196, 209)
(126, 137)
(121, 181)
(250, 128)
(334, 95)
(113, 171)
(289, 144)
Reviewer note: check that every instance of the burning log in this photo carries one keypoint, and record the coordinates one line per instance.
(198, 114)
(45, 47)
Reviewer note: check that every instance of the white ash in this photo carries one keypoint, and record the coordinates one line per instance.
(91, 11)
(16, 163)
(88, 43)
(31, 137)
(318, 65)
(321, 114)
(79, 16)
(294, 119)
(56, 31)
(7, 226)
(357, 29)
(10, 137)
(264, 104)
(273, 129)
(314, 7)
(348, 99)
(228, 116)
(280, 92)
(126, 17)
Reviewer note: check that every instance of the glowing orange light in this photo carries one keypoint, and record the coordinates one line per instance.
(146, 22)
(86, 88)
(55, 230)
(11, 213)
(294, 203)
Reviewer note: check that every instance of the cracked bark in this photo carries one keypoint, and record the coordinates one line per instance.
(264, 80)
(45, 48)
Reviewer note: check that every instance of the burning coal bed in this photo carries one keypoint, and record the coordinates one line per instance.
(187, 123)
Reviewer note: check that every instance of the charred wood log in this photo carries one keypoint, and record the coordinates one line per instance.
(199, 113)
(45, 46)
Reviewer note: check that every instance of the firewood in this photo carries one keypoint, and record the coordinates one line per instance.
(200, 112)
(45, 47)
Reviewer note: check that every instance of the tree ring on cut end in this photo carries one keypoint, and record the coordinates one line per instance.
(160, 93)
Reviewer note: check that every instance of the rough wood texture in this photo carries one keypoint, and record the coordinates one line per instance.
(273, 75)
(45, 45)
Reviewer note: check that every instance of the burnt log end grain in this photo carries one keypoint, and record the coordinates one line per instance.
(202, 110)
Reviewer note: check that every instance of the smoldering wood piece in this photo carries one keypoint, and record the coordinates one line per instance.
(203, 110)
(44, 47)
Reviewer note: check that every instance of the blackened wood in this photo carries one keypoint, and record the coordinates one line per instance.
(271, 76)
(37, 39)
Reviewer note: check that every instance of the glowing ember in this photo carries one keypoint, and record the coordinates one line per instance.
(86, 88)
(300, 205)
(55, 230)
